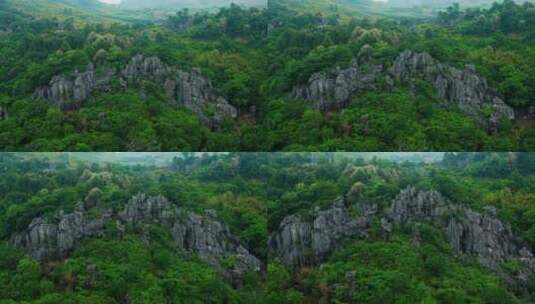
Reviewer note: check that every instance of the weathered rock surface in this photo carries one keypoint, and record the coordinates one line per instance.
(464, 88)
(69, 92)
(481, 235)
(299, 242)
(188, 89)
(332, 93)
(203, 236)
(47, 241)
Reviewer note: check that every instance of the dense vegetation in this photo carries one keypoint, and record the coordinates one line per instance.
(252, 193)
(255, 57)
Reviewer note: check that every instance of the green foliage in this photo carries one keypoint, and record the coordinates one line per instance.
(252, 193)
(257, 71)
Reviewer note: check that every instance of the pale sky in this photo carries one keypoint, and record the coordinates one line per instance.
(111, 1)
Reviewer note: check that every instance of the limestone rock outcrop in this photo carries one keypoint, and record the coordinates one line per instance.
(69, 92)
(464, 88)
(299, 242)
(188, 89)
(204, 236)
(46, 241)
(303, 241)
(210, 239)
(480, 235)
(332, 93)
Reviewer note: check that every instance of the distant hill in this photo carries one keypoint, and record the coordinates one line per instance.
(194, 4)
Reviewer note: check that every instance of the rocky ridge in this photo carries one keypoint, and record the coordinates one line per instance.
(464, 88)
(188, 89)
(299, 242)
(204, 236)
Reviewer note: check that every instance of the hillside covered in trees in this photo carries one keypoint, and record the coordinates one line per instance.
(267, 228)
(78, 77)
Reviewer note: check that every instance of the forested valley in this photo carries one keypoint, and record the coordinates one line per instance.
(267, 228)
(290, 76)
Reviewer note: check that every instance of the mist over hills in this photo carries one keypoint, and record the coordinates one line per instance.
(194, 4)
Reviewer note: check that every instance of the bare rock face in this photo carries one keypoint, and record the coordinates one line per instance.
(299, 242)
(465, 87)
(69, 93)
(332, 93)
(141, 67)
(196, 93)
(203, 236)
(188, 89)
(48, 241)
(480, 235)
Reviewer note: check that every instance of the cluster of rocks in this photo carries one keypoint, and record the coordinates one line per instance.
(302, 241)
(188, 89)
(203, 236)
(464, 88)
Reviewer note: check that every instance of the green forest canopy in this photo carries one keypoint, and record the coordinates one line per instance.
(257, 71)
(252, 193)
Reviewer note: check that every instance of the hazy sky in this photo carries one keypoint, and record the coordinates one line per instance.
(111, 1)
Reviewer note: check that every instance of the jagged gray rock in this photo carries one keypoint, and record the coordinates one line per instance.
(46, 241)
(204, 236)
(69, 93)
(210, 239)
(464, 88)
(188, 89)
(481, 235)
(332, 93)
(299, 242)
